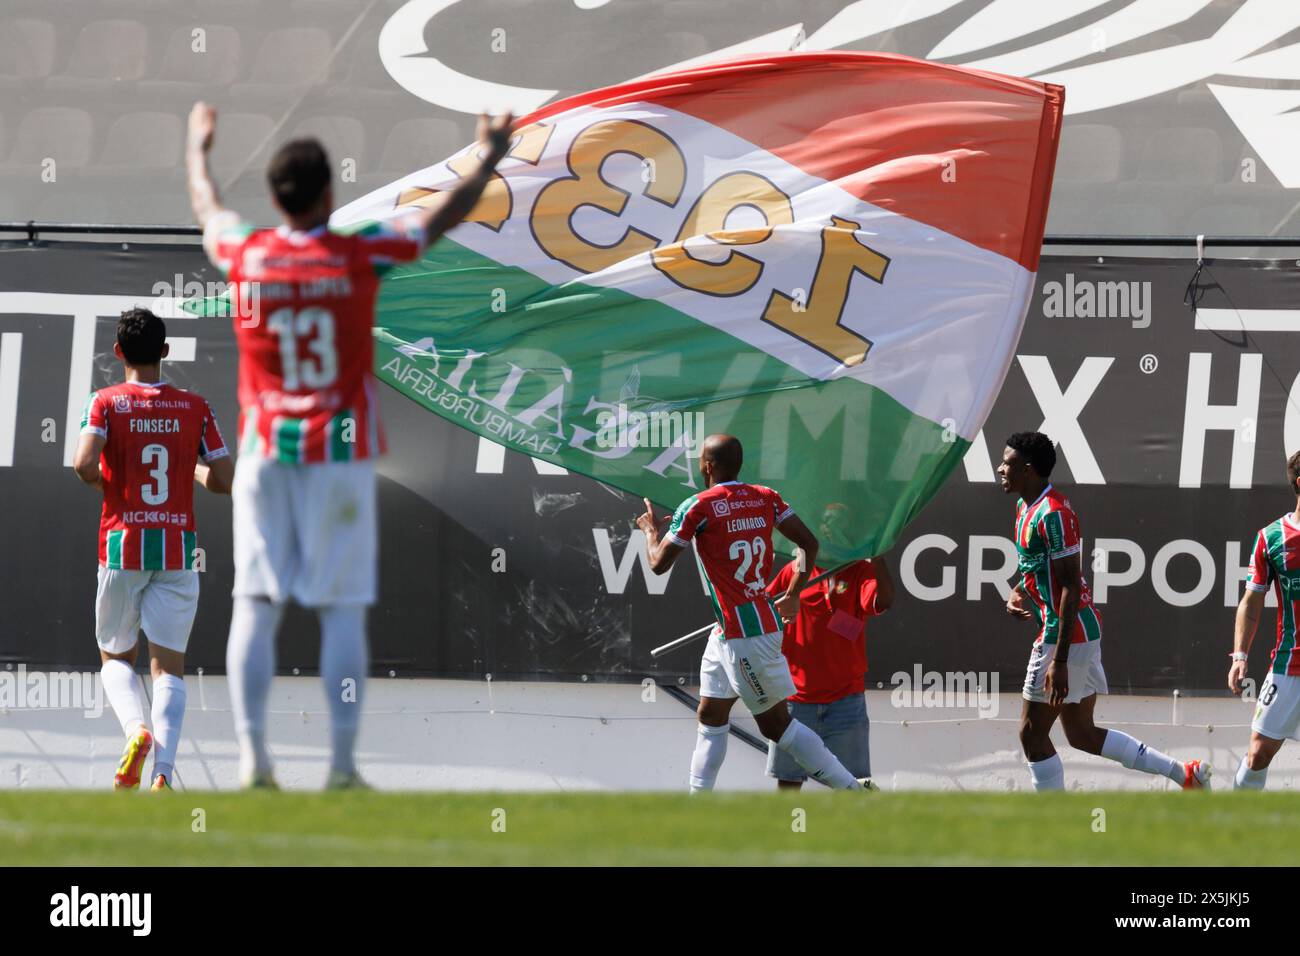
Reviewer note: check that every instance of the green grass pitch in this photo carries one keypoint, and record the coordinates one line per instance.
(369, 828)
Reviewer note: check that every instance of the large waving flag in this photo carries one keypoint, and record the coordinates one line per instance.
(828, 255)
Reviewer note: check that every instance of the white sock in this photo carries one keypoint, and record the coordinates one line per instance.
(1135, 755)
(1248, 779)
(124, 694)
(1048, 774)
(168, 714)
(710, 749)
(343, 666)
(814, 756)
(250, 665)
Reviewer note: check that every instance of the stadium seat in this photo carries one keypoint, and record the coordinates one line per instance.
(415, 143)
(241, 140)
(1074, 210)
(26, 52)
(143, 140)
(297, 56)
(343, 137)
(63, 133)
(1089, 153)
(113, 51)
(1182, 155)
(187, 74)
(358, 83)
(288, 63)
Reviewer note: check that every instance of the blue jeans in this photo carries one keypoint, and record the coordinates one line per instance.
(844, 729)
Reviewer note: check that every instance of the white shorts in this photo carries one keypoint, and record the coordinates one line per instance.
(161, 602)
(306, 532)
(1277, 713)
(751, 668)
(1086, 675)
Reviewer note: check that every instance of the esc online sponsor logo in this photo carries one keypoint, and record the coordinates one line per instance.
(75, 908)
(56, 690)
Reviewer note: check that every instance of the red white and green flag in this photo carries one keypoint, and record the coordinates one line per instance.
(829, 255)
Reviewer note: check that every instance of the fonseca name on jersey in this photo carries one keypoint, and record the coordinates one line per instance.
(155, 426)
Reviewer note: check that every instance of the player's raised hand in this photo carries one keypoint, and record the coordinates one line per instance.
(494, 135)
(203, 124)
(1236, 674)
(648, 523)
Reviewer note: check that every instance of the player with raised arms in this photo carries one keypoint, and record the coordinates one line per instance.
(1065, 674)
(1274, 562)
(145, 443)
(731, 523)
(304, 499)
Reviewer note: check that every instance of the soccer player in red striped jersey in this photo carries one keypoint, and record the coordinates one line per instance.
(1065, 673)
(304, 499)
(1275, 563)
(731, 523)
(145, 443)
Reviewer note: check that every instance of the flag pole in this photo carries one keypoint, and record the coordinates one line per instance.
(687, 638)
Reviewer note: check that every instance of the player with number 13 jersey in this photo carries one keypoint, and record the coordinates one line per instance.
(305, 509)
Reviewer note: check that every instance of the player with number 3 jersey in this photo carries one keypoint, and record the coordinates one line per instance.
(145, 442)
(304, 498)
(731, 525)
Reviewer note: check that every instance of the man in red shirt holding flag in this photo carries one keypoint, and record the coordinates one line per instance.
(305, 525)
(826, 646)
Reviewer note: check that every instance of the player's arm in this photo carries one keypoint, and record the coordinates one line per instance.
(1068, 571)
(217, 476)
(792, 526)
(85, 461)
(204, 201)
(1248, 613)
(1016, 602)
(662, 551)
(452, 207)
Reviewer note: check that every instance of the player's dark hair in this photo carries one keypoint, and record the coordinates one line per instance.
(142, 335)
(1035, 448)
(298, 175)
(726, 454)
(1293, 472)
